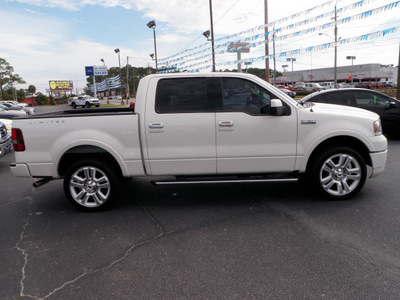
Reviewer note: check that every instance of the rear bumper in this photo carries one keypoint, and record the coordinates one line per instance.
(20, 170)
(378, 162)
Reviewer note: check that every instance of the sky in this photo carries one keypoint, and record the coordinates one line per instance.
(55, 39)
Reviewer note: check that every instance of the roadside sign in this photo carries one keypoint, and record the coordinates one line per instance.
(100, 70)
(89, 71)
(239, 47)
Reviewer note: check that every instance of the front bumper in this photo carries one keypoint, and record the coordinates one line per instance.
(378, 160)
(5, 147)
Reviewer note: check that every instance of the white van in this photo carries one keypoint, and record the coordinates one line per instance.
(327, 85)
(311, 87)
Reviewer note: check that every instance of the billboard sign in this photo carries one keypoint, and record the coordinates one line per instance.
(239, 47)
(61, 85)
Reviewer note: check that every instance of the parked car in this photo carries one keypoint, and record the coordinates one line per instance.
(289, 92)
(362, 85)
(83, 101)
(10, 106)
(299, 86)
(181, 131)
(115, 98)
(386, 107)
(8, 123)
(15, 103)
(11, 114)
(5, 140)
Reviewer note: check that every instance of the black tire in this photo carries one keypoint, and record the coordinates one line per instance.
(339, 173)
(97, 105)
(87, 105)
(73, 105)
(91, 185)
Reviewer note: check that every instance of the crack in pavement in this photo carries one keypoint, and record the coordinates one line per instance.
(23, 251)
(162, 233)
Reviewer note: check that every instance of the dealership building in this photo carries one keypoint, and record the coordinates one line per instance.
(364, 72)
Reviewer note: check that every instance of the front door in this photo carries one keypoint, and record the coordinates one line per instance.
(249, 141)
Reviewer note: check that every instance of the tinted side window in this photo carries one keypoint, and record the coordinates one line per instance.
(341, 98)
(180, 95)
(244, 96)
(371, 100)
(319, 99)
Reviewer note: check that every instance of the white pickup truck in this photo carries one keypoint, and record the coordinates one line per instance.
(84, 101)
(201, 128)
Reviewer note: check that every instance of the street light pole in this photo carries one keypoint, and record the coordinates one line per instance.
(292, 60)
(152, 25)
(119, 64)
(352, 58)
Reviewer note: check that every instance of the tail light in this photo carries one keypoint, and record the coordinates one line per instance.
(17, 139)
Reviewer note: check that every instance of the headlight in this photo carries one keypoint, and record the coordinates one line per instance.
(377, 127)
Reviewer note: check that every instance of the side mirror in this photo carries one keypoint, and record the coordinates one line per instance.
(277, 108)
(392, 104)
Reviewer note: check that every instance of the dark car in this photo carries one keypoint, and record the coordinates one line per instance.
(386, 107)
(289, 92)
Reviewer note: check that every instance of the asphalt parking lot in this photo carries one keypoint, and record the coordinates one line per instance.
(246, 241)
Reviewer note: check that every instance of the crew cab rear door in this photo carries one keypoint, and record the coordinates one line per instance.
(180, 126)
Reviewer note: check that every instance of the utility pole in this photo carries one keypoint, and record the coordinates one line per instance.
(212, 37)
(335, 60)
(266, 41)
(127, 80)
(273, 41)
(398, 77)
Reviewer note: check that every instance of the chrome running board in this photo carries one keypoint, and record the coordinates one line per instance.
(224, 181)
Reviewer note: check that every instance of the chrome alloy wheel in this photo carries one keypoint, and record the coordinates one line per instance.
(340, 174)
(89, 186)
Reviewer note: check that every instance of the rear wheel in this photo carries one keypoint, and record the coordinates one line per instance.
(90, 185)
(73, 105)
(339, 173)
(87, 105)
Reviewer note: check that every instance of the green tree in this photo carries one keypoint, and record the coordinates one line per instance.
(8, 78)
(32, 89)
(21, 95)
(41, 99)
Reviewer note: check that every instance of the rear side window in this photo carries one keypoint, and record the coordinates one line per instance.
(342, 98)
(181, 95)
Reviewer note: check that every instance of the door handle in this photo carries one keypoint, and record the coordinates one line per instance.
(225, 124)
(156, 126)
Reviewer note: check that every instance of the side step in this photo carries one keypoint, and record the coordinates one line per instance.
(235, 179)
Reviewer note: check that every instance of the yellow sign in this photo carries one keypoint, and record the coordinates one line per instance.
(61, 85)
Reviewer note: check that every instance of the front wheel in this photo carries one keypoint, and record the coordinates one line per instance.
(87, 105)
(90, 185)
(340, 173)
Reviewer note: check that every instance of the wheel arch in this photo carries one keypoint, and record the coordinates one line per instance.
(86, 151)
(346, 141)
